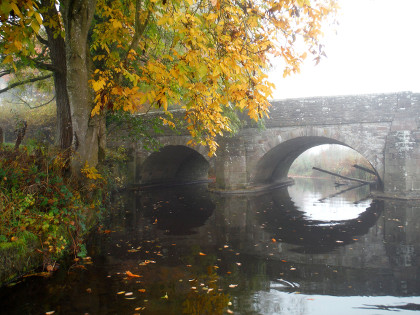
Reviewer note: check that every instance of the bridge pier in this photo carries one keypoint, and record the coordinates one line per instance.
(402, 164)
(230, 164)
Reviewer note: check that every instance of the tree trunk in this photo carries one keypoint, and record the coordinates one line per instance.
(57, 48)
(77, 15)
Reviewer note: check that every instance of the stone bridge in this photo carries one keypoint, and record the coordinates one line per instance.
(384, 128)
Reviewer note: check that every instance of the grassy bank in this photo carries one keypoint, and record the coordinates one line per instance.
(43, 213)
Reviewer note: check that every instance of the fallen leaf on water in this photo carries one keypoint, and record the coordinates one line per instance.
(293, 268)
(202, 254)
(38, 274)
(131, 275)
(273, 240)
(49, 313)
(165, 296)
(229, 311)
(128, 293)
(339, 241)
(142, 290)
(107, 231)
(233, 285)
(121, 292)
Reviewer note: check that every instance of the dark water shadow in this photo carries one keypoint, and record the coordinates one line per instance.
(178, 210)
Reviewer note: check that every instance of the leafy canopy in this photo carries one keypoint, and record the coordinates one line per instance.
(208, 57)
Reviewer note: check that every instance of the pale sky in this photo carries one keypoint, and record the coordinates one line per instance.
(376, 50)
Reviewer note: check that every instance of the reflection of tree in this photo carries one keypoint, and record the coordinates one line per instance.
(325, 188)
(205, 297)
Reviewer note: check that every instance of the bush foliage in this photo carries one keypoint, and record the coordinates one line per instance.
(36, 198)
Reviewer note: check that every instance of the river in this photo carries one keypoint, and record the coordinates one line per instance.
(303, 249)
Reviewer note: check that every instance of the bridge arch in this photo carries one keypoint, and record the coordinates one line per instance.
(284, 147)
(173, 164)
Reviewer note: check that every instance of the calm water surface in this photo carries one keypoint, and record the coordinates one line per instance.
(305, 249)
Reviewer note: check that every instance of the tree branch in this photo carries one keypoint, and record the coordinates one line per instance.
(37, 106)
(139, 27)
(42, 40)
(5, 72)
(32, 80)
(45, 66)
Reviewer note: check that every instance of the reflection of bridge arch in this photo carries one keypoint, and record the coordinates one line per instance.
(278, 154)
(283, 220)
(173, 163)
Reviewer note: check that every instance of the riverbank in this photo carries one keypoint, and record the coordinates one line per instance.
(44, 215)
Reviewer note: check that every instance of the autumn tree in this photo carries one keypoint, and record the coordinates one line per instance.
(207, 57)
(32, 49)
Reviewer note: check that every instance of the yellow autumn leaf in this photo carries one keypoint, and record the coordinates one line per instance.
(98, 85)
(35, 26)
(16, 9)
(38, 18)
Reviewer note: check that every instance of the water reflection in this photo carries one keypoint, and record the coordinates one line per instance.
(175, 211)
(316, 201)
(265, 254)
(286, 216)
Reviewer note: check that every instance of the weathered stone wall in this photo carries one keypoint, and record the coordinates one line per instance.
(336, 110)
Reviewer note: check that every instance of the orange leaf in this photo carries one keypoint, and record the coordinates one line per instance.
(202, 254)
(131, 275)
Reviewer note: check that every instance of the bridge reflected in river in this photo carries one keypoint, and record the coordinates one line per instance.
(295, 250)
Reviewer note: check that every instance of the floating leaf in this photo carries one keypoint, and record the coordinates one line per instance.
(132, 275)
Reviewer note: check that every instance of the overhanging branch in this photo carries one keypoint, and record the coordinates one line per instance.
(32, 80)
(5, 72)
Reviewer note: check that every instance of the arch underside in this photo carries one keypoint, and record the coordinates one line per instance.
(275, 164)
(173, 164)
